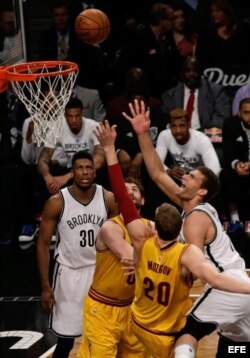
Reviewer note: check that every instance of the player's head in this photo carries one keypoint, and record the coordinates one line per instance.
(168, 222)
(135, 190)
(210, 182)
(83, 169)
(179, 125)
(73, 114)
(244, 112)
(201, 182)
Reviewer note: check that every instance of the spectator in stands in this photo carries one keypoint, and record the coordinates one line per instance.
(153, 49)
(10, 175)
(10, 36)
(34, 191)
(183, 149)
(134, 77)
(55, 43)
(207, 103)
(77, 134)
(221, 48)
(185, 38)
(241, 93)
(128, 149)
(236, 177)
(59, 42)
(92, 104)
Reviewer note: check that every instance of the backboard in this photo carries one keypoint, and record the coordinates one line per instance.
(12, 35)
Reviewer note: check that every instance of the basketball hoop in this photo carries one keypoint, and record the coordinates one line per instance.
(3, 82)
(44, 88)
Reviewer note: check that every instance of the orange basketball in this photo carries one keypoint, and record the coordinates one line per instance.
(92, 26)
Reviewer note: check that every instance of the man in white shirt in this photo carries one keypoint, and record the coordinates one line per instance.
(185, 148)
(77, 134)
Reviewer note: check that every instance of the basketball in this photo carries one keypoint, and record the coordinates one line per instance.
(92, 26)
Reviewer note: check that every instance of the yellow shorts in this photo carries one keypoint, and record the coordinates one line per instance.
(108, 332)
(158, 346)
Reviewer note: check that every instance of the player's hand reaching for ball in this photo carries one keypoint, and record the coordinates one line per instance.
(105, 134)
(140, 119)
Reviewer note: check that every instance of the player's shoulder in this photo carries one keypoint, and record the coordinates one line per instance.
(199, 216)
(112, 224)
(54, 204)
(107, 193)
(110, 202)
(89, 126)
(56, 199)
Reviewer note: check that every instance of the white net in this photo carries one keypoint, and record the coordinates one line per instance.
(45, 97)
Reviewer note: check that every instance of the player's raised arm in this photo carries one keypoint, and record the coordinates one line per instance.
(106, 136)
(140, 121)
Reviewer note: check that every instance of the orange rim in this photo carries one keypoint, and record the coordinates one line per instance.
(3, 73)
(19, 72)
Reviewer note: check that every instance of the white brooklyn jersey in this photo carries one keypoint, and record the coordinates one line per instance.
(77, 228)
(220, 250)
(71, 143)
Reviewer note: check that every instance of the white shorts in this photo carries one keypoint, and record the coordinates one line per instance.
(70, 287)
(230, 311)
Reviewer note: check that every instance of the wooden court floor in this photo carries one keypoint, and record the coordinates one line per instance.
(207, 347)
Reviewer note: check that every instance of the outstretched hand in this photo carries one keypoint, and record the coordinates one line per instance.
(140, 119)
(105, 134)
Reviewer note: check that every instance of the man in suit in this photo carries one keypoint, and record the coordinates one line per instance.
(92, 104)
(210, 105)
(236, 144)
(55, 42)
(59, 42)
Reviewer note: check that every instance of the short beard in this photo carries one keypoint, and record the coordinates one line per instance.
(84, 188)
(138, 206)
(193, 84)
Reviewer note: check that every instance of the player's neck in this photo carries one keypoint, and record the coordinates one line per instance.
(188, 205)
(83, 194)
(163, 244)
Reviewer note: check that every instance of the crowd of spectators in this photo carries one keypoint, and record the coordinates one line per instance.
(190, 73)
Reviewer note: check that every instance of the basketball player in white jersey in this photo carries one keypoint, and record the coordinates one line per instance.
(77, 212)
(230, 312)
(76, 134)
